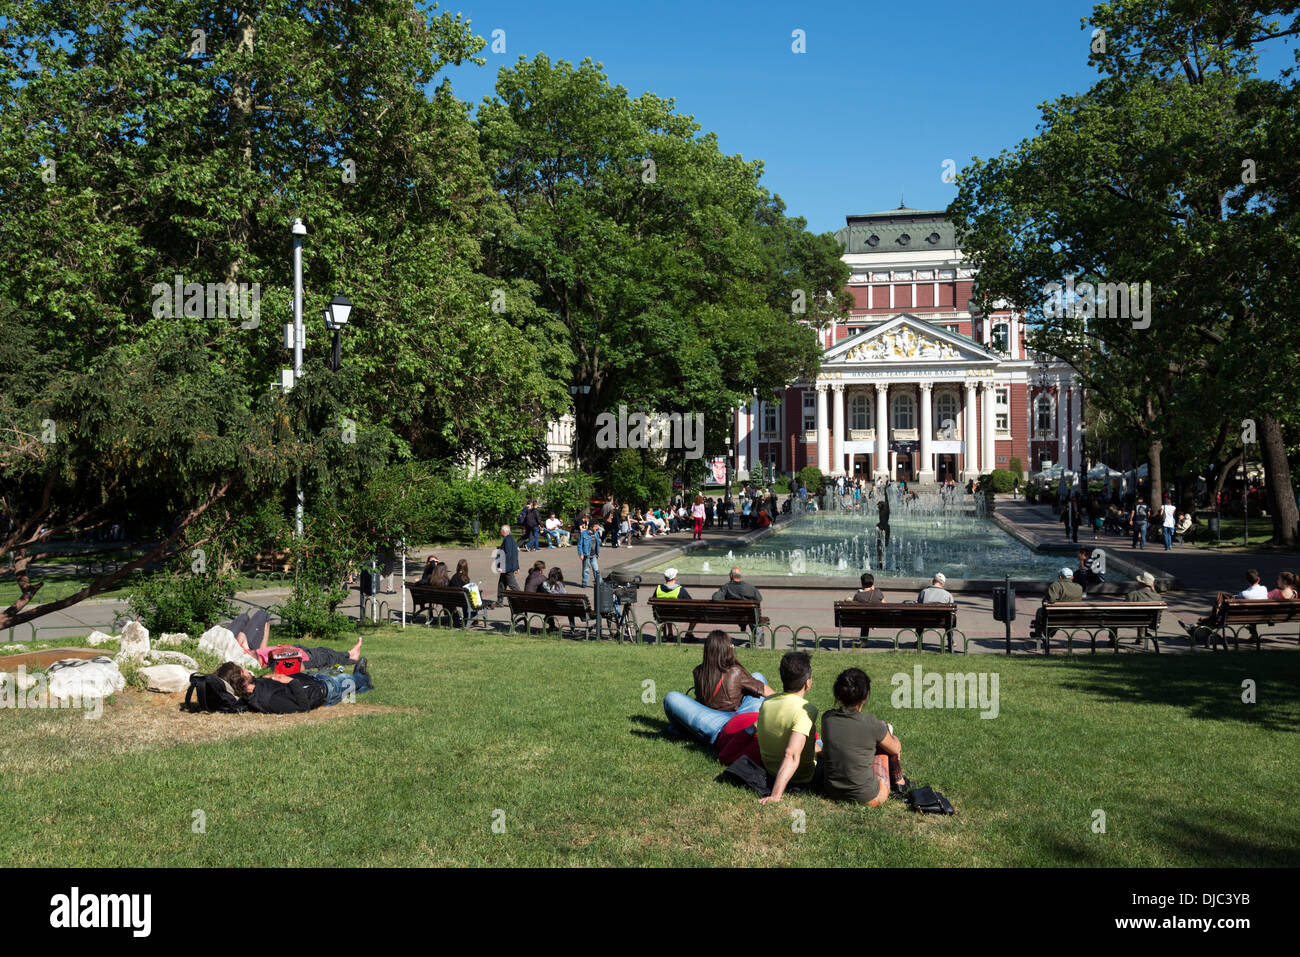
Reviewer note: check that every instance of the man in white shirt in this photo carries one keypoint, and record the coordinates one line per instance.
(1167, 516)
(1254, 590)
(557, 536)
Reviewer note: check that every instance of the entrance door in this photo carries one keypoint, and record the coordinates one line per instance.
(904, 467)
(946, 468)
(862, 465)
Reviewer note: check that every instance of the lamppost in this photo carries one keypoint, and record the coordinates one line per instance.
(727, 440)
(298, 230)
(336, 317)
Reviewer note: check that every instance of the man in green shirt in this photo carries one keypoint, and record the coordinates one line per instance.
(1063, 589)
(785, 729)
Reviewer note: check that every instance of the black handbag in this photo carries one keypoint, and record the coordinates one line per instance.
(929, 801)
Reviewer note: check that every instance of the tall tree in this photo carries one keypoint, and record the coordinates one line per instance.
(678, 281)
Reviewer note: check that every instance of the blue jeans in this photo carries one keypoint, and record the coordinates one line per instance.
(553, 537)
(705, 723)
(590, 566)
(532, 537)
(1140, 539)
(336, 686)
(1169, 537)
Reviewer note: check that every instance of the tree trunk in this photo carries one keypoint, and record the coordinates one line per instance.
(1221, 472)
(1156, 483)
(1277, 479)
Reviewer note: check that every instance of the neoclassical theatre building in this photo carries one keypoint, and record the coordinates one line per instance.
(916, 384)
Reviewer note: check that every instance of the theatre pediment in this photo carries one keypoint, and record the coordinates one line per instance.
(907, 341)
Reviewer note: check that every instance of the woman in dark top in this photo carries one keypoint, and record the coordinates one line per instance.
(868, 594)
(461, 578)
(860, 754)
(535, 577)
(554, 585)
(723, 689)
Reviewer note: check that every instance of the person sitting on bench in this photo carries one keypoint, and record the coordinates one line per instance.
(292, 694)
(860, 752)
(258, 625)
(736, 589)
(670, 589)
(1254, 591)
(868, 594)
(723, 689)
(1063, 589)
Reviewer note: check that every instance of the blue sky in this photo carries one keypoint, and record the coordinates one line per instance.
(884, 94)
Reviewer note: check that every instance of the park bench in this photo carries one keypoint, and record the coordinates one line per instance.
(452, 599)
(704, 611)
(1241, 613)
(917, 618)
(526, 603)
(1095, 617)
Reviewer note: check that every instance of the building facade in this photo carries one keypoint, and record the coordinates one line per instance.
(916, 385)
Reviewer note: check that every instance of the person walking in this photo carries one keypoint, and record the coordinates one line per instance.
(697, 515)
(1138, 519)
(508, 564)
(1167, 516)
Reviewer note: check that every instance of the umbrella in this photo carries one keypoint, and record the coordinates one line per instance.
(1102, 471)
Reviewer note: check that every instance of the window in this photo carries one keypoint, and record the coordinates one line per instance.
(1044, 413)
(1001, 337)
(769, 418)
(947, 415)
(809, 411)
(860, 411)
(1002, 408)
(904, 412)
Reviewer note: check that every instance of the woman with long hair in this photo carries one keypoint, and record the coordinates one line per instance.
(723, 689)
(697, 513)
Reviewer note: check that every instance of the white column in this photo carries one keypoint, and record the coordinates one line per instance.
(823, 433)
(1076, 428)
(1062, 426)
(837, 450)
(925, 474)
(988, 457)
(882, 430)
(970, 439)
(1013, 336)
(755, 424)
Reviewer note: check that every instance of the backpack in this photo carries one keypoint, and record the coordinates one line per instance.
(209, 694)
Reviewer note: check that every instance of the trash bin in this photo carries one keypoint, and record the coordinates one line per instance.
(1213, 525)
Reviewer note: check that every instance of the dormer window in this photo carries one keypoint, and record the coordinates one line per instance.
(904, 239)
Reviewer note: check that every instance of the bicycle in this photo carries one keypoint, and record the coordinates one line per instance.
(618, 608)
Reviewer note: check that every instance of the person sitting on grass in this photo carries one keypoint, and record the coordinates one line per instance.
(292, 694)
(786, 730)
(723, 689)
(860, 753)
(258, 624)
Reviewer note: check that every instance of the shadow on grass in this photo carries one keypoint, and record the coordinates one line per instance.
(1205, 686)
(656, 729)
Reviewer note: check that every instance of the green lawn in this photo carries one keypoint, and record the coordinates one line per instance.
(554, 741)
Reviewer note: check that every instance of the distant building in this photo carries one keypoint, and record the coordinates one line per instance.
(915, 385)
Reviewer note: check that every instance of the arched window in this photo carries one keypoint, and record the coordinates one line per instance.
(947, 415)
(860, 411)
(1044, 406)
(904, 411)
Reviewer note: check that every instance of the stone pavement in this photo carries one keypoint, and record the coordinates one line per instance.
(1200, 572)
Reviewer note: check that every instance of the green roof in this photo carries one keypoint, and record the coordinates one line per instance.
(897, 229)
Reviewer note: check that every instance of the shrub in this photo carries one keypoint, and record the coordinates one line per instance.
(638, 482)
(172, 601)
(782, 485)
(1014, 467)
(999, 480)
(567, 494)
(311, 615)
(812, 477)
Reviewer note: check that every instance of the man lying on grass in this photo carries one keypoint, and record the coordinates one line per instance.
(258, 625)
(291, 694)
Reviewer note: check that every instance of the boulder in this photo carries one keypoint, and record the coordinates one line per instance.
(99, 638)
(174, 657)
(85, 678)
(167, 679)
(171, 639)
(221, 642)
(133, 643)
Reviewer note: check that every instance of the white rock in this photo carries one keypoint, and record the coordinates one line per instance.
(171, 639)
(99, 638)
(82, 678)
(134, 642)
(167, 679)
(178, 657)
(221, 642)
(12, 648)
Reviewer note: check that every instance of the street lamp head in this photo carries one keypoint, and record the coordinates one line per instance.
(298, 228)
(340, 308)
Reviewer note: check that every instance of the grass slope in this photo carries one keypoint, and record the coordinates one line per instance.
(554, 742)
